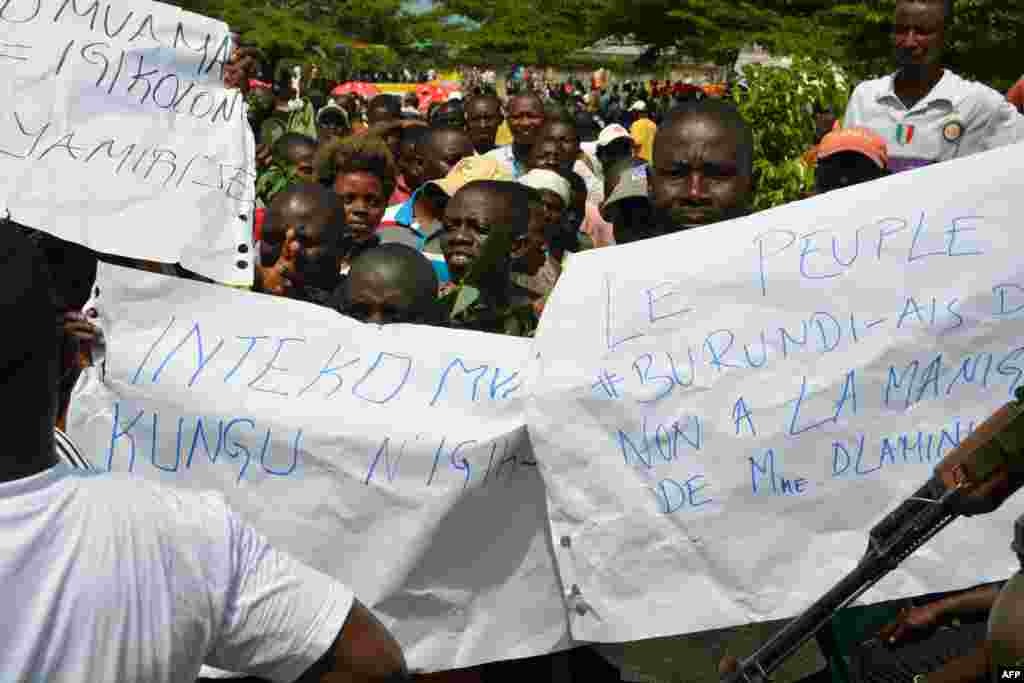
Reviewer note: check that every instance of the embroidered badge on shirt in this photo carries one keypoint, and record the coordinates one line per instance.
(952, 131)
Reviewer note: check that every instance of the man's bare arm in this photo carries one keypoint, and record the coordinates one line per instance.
(364, 652)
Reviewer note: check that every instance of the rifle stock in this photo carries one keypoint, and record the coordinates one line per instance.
(974, 478)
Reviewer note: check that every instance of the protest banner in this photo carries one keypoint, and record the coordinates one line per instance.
(118, 133)
(393, 458)
(721, 415)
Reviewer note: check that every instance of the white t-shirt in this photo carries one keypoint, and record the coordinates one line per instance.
(956, 119)
(109, 578)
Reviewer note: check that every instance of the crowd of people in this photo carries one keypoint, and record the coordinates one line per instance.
(463, 216)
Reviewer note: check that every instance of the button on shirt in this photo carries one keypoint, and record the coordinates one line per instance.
(956, 119)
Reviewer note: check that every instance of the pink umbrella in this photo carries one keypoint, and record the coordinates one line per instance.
(367, 90)
(433, 92)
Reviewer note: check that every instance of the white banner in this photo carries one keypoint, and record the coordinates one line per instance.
(118, 133)
(722, 415)
(393, 458)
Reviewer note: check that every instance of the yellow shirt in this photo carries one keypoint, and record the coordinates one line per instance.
(504, 136)
(642, 131)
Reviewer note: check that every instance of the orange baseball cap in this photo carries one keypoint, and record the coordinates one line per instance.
(861, 140)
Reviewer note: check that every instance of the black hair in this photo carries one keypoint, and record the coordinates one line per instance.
(566, 238)
(484, 97)
(947, 7)
(528, 94)
(414, 135)
(576, 184)
(314, 198)
(29, 367)
(290, 141)
(513, 195)
(335, 116)
(420, 274)
(723, 112)
(451, 113)
(389, 103)
(560, 117)
(357, 154)
(440, 129)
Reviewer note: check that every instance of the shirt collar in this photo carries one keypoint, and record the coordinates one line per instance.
(944, 91)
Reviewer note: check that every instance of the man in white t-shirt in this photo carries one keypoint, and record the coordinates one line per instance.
(926, 113)
(108, 578)
(525, 114)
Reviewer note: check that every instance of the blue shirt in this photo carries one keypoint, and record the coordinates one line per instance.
(399, 225)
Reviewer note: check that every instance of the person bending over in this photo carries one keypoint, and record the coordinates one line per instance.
(392, 283)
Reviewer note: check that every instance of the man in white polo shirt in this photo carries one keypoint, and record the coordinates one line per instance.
(926, 113)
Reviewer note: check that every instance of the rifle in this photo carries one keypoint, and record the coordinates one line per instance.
(974, 478)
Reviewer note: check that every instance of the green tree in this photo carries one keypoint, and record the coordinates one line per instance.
(778, 104)
(541, 32)
(854, 34)
(289, 28)
(718, 29)
(983, 32)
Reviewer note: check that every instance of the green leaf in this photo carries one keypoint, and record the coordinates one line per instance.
(465, 298)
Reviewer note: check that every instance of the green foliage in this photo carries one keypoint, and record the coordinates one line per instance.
(273, 179)
(983, 32)
(778, 105)
(292, 28)
(541, 32)
(717, 30)
(856, 35)
(469, 309)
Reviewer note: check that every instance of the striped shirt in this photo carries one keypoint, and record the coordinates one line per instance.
(67, 452)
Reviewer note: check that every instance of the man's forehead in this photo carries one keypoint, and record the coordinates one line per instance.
(706, 133)
(476, 200)
(526, 102)
(302, 209)
(557, 129)
(483, 104)
(300, 150)
(920, 10)
(382, 276)
(450, 139)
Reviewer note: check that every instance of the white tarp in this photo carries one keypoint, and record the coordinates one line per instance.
(395, 459)
(722, 415)
(118, 134)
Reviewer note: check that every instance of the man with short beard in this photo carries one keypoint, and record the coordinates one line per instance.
(703, 166)
(929, 114)
(483, 118)
(525, 117)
